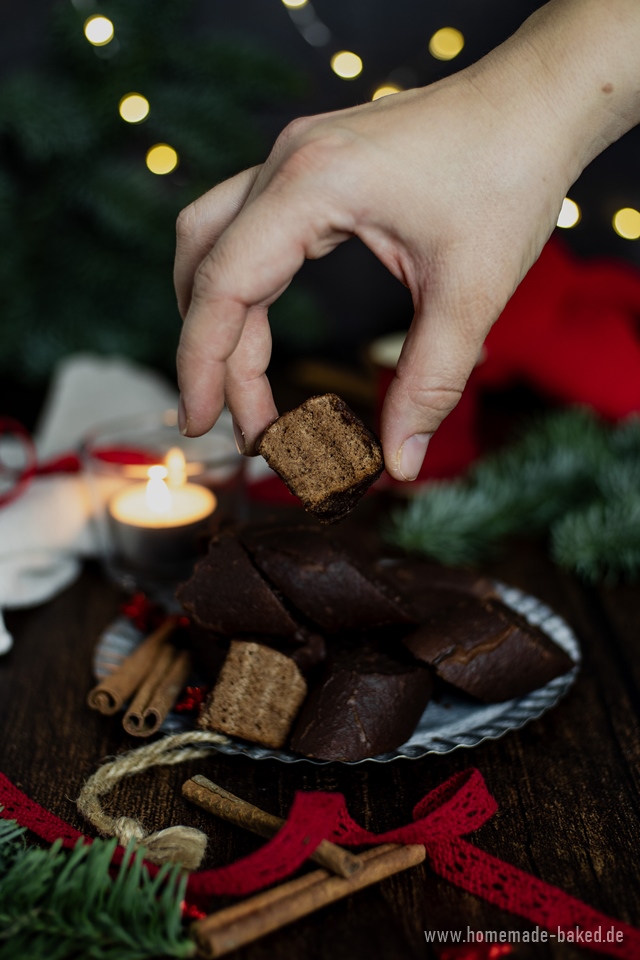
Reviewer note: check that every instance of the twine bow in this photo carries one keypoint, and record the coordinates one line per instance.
(178, 844)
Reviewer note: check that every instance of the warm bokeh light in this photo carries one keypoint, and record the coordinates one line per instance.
(98, 30)
(626, 223)
(176, 467)
(569, 214)
(158, 496)
(162, 159)
(157, 472)
(133, 107)
(295, 4)
(446, 43)
(385, 90)
(346, 64)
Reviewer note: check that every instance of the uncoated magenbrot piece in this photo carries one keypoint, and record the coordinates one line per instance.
(324, 454)
(257, 696)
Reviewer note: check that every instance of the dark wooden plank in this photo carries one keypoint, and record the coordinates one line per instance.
(567, 784)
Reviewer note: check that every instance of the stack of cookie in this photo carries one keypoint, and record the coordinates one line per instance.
(336, 656)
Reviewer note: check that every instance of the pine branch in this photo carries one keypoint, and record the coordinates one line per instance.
(90, 262)
(61, 906)
(452, 522)
(601, 542)
(568, 475)
(518, 490)
(625, 440)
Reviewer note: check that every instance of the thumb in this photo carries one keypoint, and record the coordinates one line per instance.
(437, 358)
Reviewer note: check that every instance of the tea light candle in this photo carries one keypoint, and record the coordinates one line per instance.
(155, 526)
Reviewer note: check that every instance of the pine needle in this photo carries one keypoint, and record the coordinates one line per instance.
(568, 476)
(71, 169)
(601, 542)
(56, 905)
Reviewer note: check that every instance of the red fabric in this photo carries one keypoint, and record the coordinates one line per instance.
(571, 331)
(17, 806)
(440, 821)
(127, 455)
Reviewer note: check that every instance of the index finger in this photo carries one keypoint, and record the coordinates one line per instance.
(201, 224)
(251, 265)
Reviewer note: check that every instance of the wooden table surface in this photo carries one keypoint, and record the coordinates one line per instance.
(568, 784)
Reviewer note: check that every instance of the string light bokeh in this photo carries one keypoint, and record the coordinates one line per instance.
(150, 148)
(162, 159)
(570, 214)
(444, 44)
(134, 108)
(346, 64)
(98, 30)
(385, 90)
(626, 223)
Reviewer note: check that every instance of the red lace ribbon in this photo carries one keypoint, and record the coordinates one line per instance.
(441, 820)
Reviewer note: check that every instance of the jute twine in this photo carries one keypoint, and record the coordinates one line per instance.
(184, 845)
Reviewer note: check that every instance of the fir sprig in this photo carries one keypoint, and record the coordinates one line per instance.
(568, 475)
(90, 262)
(56, 905)
(601, 542)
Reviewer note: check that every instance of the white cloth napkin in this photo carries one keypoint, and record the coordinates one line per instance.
(45, 533)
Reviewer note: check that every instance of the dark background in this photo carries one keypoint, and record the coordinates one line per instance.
(355, 297)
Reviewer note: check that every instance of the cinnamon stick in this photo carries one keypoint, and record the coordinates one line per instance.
(158, 692)
(113, 691)
(232, 928)
(223, 918)
(226, 805)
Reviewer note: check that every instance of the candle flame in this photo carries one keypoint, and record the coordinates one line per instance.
(176, 466)
(158, 495)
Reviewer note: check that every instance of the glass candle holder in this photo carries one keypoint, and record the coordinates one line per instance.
(157, 497)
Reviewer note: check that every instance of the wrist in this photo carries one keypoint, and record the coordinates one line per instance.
(571, 76)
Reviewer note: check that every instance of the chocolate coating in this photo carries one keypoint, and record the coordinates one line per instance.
(226, 594)
(426, 586)
(323, 580)
(487, 650)
(367, 703)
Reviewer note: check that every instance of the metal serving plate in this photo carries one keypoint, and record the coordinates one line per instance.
(446, 724)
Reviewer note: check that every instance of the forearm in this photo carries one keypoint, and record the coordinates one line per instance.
(578, 62)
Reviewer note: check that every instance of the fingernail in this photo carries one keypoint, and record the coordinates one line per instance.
(183, 419)
(239, 435)
(411, 455)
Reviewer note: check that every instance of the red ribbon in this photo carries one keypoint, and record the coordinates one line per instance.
(441, 820)
(14, 428)
(65, 463)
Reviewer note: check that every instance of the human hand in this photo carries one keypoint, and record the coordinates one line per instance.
(455, 187)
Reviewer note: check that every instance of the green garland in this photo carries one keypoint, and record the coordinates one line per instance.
(569, 476)
(56, 905)
(89, 232)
